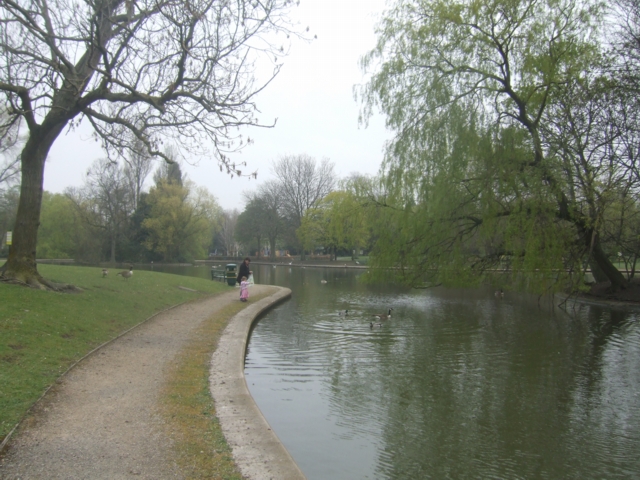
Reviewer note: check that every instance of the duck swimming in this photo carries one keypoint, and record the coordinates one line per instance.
(383, 316)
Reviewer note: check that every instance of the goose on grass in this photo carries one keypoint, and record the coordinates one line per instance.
(126, 273)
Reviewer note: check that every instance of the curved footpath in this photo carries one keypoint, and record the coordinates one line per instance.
(101, 420)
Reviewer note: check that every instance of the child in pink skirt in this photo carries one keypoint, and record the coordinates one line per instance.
(244, 290)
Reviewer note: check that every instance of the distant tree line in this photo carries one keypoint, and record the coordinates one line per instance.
(112, 218)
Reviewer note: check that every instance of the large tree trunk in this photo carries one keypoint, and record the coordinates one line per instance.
(21, 264)
(602, 268)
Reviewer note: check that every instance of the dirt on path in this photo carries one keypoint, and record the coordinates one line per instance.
(102, 420)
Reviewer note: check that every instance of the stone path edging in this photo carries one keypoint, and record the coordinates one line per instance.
(256, 449)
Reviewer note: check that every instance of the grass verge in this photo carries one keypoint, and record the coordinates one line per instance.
(43, 333)
(188, 408)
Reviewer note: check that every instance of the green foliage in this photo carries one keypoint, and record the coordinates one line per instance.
(134, 248)
(250, 228)
(62, 234)
(336, 222)
(499, 158)
(182, 221)
(173, 222)
(313, 228)
(43, 333)
(468, 218)
(621, 227)
(57, 221)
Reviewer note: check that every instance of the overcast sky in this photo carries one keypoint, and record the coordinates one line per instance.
(312, 98)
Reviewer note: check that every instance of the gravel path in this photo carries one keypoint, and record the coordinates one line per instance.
(101, 421)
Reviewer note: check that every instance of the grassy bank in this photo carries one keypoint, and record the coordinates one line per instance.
(43, 333)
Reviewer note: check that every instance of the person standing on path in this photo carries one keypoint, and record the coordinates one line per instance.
(244, 290)
(244, 271)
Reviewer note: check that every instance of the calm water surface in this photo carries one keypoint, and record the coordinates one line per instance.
(457, 384)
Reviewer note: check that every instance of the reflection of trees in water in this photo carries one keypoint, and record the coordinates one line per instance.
(502, 399)
(605, 404)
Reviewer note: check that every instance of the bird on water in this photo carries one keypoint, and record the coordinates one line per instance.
(383, 316)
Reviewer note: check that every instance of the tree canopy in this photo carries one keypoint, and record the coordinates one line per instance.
(182, 221)
(504, 150)
(337, 222)
(301, 183)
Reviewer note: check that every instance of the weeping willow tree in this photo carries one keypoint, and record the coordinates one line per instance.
(502, 155)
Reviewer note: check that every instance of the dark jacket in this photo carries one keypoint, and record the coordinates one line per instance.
(243, 271)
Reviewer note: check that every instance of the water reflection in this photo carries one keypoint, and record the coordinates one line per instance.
(457, 384)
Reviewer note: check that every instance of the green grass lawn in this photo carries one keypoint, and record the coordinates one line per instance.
(43, 333)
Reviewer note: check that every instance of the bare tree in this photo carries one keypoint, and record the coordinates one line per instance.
(9, 154)
(228, 231)
(137, 169)
(9, 176)
(105, 201)
(301, 183)
(9, 171)
(269, 200)
(158, 69)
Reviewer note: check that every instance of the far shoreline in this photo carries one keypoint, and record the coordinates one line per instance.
(598, 295)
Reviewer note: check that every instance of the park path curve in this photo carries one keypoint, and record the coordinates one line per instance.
(101, 420)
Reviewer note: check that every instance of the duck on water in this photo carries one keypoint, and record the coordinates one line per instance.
(381, 317)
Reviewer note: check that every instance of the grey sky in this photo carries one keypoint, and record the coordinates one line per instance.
(312, 98)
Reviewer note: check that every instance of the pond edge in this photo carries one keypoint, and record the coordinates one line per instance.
(256, 449)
